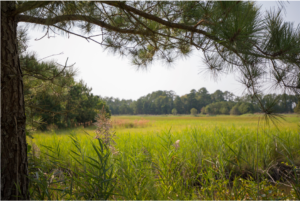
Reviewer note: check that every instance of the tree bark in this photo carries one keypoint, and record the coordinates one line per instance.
(14, 166)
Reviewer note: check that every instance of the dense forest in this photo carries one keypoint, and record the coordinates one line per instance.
(167, 102)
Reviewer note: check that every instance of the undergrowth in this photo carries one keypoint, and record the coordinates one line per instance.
(193, 163)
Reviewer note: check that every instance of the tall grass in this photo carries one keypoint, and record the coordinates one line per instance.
(82, 177)
(174, 158)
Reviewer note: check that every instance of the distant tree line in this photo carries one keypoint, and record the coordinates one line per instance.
(201, 101)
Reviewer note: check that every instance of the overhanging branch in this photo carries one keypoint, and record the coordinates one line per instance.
(122, 5)
(84, 18)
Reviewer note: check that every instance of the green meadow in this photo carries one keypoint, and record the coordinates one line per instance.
(170, 157)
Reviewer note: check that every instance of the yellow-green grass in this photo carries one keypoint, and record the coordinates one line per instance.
(212, 150)
(157, 123)
(177, 123)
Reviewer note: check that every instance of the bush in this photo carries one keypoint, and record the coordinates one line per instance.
(235, 111)
(245, 108)
(174, 111)
(203, 110)
(208, 109)
(224, 110)
(194, 111)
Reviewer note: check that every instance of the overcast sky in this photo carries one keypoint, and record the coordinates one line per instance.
(110, 75)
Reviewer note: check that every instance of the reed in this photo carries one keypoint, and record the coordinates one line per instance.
(180, 157)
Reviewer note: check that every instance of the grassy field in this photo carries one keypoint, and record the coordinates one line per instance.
(170, 157)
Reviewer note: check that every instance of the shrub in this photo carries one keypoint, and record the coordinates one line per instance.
(208, 109)
(245, 108)
(174, 111)
(235, 111)
(194, 111)
(224, 110)
(203, 110)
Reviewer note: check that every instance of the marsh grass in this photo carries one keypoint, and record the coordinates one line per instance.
(125, 123)
(82, 176)
(173, 157)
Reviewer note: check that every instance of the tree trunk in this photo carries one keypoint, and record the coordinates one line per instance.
(14, 166)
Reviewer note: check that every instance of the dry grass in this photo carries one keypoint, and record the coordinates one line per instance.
(126, 123)
(104, 126)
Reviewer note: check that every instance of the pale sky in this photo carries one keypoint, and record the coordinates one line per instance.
(111, 75)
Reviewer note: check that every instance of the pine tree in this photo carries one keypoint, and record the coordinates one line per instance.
(232, 36)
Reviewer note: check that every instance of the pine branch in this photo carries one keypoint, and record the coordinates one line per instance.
(84, 18)
(161, 21)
